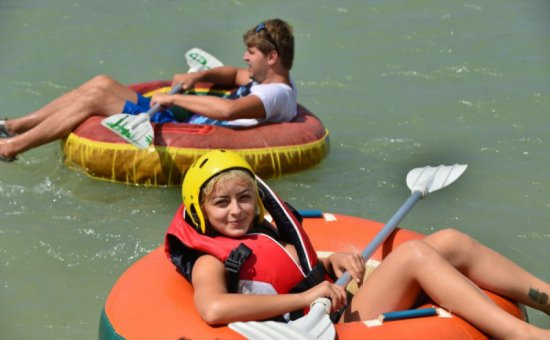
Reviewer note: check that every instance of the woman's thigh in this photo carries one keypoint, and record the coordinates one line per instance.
(392, 286)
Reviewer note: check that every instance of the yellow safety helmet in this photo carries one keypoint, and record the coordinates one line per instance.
(200, 172)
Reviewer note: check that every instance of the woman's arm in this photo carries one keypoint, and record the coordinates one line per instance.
(217, 306)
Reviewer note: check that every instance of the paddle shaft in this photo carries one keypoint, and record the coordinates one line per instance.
(388, 228)
(154, 109)
(421, 181)
(145, 117)
(137, 129)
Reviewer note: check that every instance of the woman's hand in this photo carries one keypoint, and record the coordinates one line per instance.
(353, 263)
(337, 294)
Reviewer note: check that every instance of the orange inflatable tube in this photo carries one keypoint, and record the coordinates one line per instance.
(152, 301)
(271, 149)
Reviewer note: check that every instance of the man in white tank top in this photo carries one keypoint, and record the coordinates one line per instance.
(267, 93)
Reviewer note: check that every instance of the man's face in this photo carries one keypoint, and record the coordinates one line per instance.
(257, 64)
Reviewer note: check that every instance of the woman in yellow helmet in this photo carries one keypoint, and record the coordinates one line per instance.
(223, 217)
(221, 238)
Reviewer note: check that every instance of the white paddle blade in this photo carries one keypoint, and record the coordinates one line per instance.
(429, 179)
(317, 322)
(269, 330)
(314, 325)
(136, 130)
(199, 60)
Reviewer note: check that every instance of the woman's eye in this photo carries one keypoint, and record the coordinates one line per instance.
(245, 198)
(221, 202)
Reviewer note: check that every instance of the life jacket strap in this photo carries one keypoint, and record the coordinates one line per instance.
(316, 276)
(233, 265)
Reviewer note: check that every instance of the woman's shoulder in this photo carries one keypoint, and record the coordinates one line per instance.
(208, 262)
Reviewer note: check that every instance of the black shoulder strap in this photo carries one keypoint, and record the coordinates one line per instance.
(265, 228)
(285, 225)
(233, 266)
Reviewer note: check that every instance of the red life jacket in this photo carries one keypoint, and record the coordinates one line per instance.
(268, 264)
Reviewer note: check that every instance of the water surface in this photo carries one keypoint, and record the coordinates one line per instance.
(398, 84)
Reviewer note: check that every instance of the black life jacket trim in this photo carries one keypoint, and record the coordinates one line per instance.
(273, 204)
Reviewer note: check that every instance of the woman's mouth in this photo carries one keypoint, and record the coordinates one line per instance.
(236, 222)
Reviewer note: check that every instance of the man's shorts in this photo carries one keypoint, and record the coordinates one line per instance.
(143, 105)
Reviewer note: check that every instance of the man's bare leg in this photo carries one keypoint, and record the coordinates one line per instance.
(99, 84)
(99, 96)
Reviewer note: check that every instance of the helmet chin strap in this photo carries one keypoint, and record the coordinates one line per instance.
(191, 216)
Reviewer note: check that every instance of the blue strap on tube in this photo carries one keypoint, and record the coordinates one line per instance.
(408, 314)
(311, 213)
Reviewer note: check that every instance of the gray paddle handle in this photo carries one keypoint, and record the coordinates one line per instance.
(154, 109)
(388, 228)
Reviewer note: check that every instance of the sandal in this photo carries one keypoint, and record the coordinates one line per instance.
(4, 133)
(7, 159)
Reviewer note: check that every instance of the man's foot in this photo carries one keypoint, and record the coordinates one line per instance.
(5, 154)
(4, 133)
(7, 159)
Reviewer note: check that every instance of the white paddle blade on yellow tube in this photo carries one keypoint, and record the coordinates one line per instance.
(135, 130)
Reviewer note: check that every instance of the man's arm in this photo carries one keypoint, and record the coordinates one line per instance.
(214, 107)
(224, 76)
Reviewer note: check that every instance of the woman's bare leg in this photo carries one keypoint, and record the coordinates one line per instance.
(416, 266)
(490, 270)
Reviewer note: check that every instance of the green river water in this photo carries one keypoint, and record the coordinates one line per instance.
(399, 84)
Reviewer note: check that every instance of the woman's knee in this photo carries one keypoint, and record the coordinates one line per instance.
(452, 244)
(414, 252)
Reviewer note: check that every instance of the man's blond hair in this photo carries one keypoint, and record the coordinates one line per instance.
(269, 35)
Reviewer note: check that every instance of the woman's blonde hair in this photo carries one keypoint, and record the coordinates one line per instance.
(223, 177)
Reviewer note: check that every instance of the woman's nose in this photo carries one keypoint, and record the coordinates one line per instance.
(235, 207)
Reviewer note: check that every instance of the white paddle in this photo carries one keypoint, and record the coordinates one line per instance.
(137, 129)
(199, 60)
(316, 324)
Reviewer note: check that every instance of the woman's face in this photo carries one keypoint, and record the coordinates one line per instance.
(231, 207)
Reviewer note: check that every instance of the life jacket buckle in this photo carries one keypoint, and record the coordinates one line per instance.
(236, 258)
